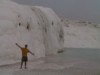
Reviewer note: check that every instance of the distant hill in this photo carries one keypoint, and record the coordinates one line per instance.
(81, 34)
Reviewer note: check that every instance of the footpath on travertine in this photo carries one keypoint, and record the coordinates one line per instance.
(8, 62)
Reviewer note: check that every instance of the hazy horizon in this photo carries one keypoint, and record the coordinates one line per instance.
(86, 10)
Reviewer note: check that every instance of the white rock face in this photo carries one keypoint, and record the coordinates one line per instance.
(39, 27)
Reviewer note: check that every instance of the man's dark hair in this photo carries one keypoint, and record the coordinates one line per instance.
(26, 46)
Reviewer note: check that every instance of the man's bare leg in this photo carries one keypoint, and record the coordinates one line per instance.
(21, 64)
(25, 64)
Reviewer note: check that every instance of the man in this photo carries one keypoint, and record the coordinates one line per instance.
(25, 51)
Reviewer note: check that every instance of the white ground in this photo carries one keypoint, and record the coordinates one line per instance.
(71, 62)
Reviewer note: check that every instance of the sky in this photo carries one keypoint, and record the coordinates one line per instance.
(86, 10)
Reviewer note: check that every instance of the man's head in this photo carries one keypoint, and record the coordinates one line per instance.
(26, 46)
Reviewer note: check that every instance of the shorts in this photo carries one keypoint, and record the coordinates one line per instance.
(24, 58)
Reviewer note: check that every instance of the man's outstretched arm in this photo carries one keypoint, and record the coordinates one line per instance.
(18, 45)
(31, 53)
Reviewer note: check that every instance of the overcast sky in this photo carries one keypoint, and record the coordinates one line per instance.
(87, 10)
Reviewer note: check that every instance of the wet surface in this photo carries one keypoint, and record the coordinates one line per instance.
(70, 62)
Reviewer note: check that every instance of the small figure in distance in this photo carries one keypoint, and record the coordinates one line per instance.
(25, 51)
